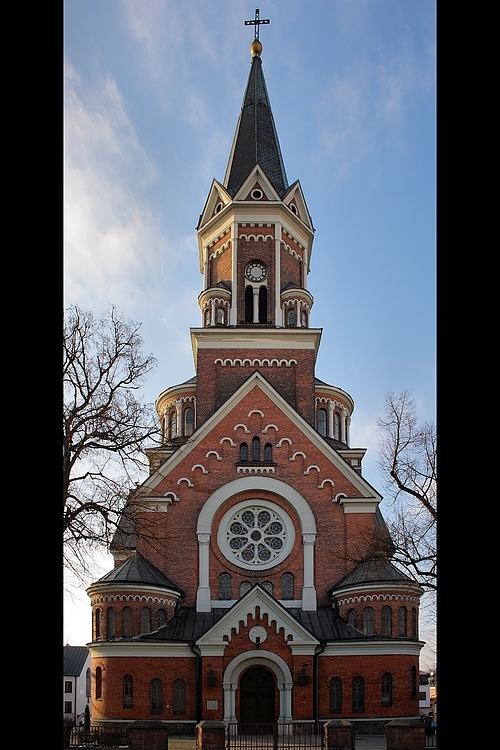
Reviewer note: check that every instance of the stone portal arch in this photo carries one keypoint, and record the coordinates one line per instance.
(275, 664)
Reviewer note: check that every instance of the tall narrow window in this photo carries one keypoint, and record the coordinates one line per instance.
(368, 626)
(351, 617)
(287, 581)
(263, 304)
(336, 426)
(128, 691)
(88, 674)
(220, 316)
(256, 449)
(243, 452)
(402, 621)
(189, 421)
(155, 696)
(268, 586)
(413, 682)
(224, 586)
(386, 621)
(179, 697)
(248, 304)
(98, 623)
(291, 320)
(206, 317)
(268, 452)
(98, 683)
(358, 694)
(303, 319)
(126, 622)
(145, 620)
(245, 586)
(335, 695)
(322, 422)
(387, 689)
(110, 622)
(161, 617)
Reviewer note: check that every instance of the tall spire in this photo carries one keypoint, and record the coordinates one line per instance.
(255, 141)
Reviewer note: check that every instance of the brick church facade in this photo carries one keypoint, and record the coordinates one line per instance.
(250, 586)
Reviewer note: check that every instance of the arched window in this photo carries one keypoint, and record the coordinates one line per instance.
(386, 621)
(155, 696)
(224, 586)
(263, 304)
(245, 586)
(287, 581)
(358, 694)
(172, 427)
(145, 620)
(268, 586)
(351, 617)
(161, 617)
(179, 697)
(126, 622)
(413, 682)
(303, 319)
(290, 318)
(336, 425)
(128, 691)
(335, 695)
(256, 449)
(189, 421)
(322, 422)
(268, 452)
(368, 627)
(220, 316)
(98, 623)
(243, 452)
(110, 622)
(88, 675)
(414, 623)
(98, 683)
(387, 689)
(402, 621)
(207, 317)
(248, 304)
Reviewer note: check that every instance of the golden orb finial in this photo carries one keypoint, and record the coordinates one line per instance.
(256, 48)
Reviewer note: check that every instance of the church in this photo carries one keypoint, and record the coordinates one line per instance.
(253, 584)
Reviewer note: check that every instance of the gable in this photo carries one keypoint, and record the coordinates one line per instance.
(215, 640)
(235, 416)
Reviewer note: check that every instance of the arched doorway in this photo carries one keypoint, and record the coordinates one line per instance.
(257, 696)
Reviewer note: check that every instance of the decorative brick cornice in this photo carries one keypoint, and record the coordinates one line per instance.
(132, 598)
(378, 598)
(255, 362)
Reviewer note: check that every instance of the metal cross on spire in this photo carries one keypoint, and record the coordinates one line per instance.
(257, 22)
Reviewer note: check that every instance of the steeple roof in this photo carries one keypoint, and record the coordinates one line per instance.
(255, 141)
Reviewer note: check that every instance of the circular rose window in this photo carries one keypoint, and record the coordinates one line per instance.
(256, 534)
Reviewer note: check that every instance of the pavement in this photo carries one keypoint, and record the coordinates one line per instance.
(362, 742)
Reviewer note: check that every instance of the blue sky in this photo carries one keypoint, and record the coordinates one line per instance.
(153, 90)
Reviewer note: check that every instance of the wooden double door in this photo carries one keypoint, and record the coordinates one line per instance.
(257, 696)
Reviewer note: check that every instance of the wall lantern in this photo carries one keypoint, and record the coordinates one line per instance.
(303, 677)
(211, 679)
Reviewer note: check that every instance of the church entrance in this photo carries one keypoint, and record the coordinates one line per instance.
(257, 696)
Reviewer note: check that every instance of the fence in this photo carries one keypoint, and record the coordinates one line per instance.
(97, 736)
(297, 736)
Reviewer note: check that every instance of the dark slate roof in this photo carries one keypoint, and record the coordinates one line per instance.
(255, 141)
(189, 625)
(136, 569)
(373, 570)
(124, 536)
(74, 658)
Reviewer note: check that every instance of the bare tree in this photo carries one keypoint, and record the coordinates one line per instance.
(408, 462)
(105, 425)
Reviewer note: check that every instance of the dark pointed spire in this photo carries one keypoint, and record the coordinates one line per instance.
(255, 141)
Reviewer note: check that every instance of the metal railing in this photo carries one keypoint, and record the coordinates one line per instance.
(289, 736)
(98, 737)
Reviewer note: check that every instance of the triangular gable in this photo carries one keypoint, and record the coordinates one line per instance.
(257, 175)
(217, 194)
(215, 640)
(366, 491)
(295, 196)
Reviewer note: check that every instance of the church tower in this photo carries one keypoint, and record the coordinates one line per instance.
(253, 555)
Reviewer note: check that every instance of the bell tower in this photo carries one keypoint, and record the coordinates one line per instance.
(255, 239)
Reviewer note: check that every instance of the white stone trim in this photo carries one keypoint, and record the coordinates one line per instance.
(275, 664)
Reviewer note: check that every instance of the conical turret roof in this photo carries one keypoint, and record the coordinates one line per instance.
(255, 141)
